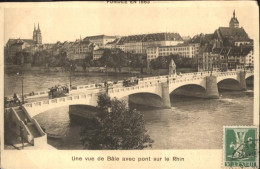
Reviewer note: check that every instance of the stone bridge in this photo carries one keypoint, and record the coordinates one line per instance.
(160, 86)
(158, 90)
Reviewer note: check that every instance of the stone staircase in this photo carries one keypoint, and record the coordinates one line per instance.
(32, 128)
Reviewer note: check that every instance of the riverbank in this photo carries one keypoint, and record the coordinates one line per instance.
(101, 70)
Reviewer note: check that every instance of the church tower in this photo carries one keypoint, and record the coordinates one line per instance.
(234, 22)
(34, 34)
(37, 35)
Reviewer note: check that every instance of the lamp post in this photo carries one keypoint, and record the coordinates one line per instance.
(211, 60)
(244, 68)
(129, 67)
(106, 73)
(18, 74)
(70, 75)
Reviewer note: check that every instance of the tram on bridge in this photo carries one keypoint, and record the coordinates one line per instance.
(58, 91)
(130, 82)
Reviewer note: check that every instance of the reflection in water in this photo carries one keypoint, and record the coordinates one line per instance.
(191, 123)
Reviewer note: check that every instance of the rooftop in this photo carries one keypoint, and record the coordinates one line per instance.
(150, 38)
(21, 41)
(134, 38)
(202, 38)
(98, 37)
(234, 33)
(113, 42)
(162, 37)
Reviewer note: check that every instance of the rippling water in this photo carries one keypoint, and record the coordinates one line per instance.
(191, 123)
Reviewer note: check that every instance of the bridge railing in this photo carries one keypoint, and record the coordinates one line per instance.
(136, 87)
(44, 93)
(59, 100)
(186, 79)
(153, 81)
(101, 85)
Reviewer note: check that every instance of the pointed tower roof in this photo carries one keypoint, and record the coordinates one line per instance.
(38, 27)
(172, 63)
(233, 20)
(34, 27)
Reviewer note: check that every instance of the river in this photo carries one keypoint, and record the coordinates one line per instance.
(191, 123)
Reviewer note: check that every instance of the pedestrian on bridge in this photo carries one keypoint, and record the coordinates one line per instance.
(21, 135)
(25, 121)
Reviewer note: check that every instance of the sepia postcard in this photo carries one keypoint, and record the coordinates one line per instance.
(129, 84)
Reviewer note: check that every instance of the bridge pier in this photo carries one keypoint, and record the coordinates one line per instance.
(166, 102)
(161, 100)
(211, 87)
(242, 80)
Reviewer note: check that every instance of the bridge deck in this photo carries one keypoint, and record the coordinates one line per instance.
(40, 96)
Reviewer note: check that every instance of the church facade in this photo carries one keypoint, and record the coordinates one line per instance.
(13, 46)
(227, 48)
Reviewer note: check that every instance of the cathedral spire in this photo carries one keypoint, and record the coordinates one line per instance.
(38, 27)
(34, 27)
(234, 13)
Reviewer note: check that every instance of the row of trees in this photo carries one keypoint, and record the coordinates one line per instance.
(114, 59)
(41, 58)
(117, 59)
(162, 62)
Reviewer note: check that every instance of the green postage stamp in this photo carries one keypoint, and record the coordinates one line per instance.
(240, 147)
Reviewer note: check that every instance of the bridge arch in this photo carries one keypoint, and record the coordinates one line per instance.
(75, 109)
(145, 98)
(250, 81)
(194, 90)
(222, 78)
(229, 84)
(228, 79)
(36, 108)
(186, 83)
(249, 76)
(127, 91)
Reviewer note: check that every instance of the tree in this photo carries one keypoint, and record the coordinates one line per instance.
(88, 58)
(40, 58)
(104, 59)
(159, 63)
(115, 127)
(84, 66)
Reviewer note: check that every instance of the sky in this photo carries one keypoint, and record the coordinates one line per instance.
(69, 21)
